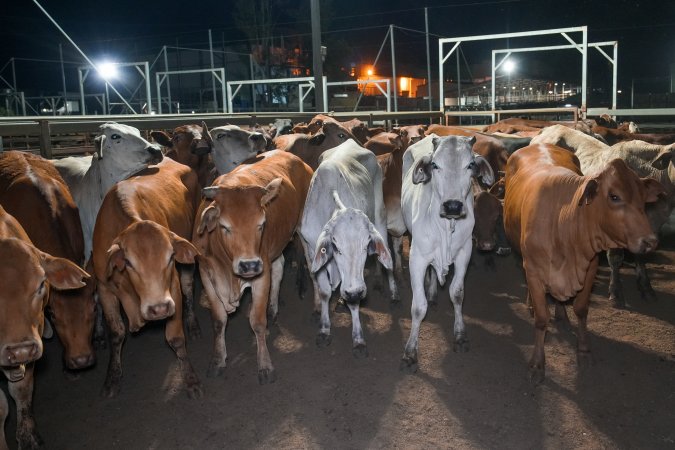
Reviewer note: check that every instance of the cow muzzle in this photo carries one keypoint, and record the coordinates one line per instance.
(20, 353)
(248, 268)
(81, 361)
(159, 311)
(645, 244)
(354, 295)
(156, 154)
(452, 209)
(15, 373)
(485, 246)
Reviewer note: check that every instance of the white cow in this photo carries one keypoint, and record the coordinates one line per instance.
(647, 160)
(437, 206)
(343, 222)
(120, 153)
(229, 146)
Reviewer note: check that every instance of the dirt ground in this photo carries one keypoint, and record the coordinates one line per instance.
(325, 398)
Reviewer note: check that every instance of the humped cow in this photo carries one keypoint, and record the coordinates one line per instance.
(437, 205)
(182, 144)
(140, 236)
(33, 192)
(344, 221)
(247, 218)
(229, 146)
(559, 220)
(27, 275)
(309, 148)
(120, 153)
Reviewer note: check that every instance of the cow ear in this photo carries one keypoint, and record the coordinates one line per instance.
(203, 146)
(210, 192)
(378, 246)
(98, 145)
(664, 158)
(209, 219)
(396, 141)
(271, 191)
(482, 170)
(422, 170)
(185, 251)
(653, 189)
(317, 139)
(323, 252)
(162, 138)
(62, 273)
(116, 258)
(590, 191)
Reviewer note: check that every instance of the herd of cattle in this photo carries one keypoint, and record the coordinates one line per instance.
(149, 229)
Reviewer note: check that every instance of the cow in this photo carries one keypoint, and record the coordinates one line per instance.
(646, 160)
(33, 192)
(559, 219)
(514, 124)
(410, 134)
(182, 144)
(384, 143)
(488, 230)
(247, 218)
(229, 146)
(4, 412)
(622, 134)
(141, 233)
(310, 148)
(344, 221)
(436, 195)
(120, 153)
(27, 275)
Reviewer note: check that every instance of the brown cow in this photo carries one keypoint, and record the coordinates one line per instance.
(488, 230)
(249, 216)
(310, 148)
(385, 143)
(138, 239)
(410, 134)
(27, 275)
(559, 220)
(621, 134)
(33, 192)
(182, 143)
(515, 124)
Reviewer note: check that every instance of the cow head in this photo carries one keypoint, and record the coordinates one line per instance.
(410, 134)
(282, 126)
(27, 275)
(449, 168)
(488, 213)
(330, 135)
(124, 150)
(664, 158)
(240, 234)
(348, 238)
(183, 142)
(617, 197)
(229, 146)
(142, 259)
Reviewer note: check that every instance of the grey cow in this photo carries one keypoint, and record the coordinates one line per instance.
(343, 222)
(437, 206)
(120, 153)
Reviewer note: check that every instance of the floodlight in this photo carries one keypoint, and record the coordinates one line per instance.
(107, 70)
(509, 66)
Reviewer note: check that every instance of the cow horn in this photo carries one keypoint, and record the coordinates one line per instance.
(338, 202)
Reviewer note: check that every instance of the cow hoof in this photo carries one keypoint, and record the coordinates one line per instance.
(408, 364)
(360, 351)
(194, 330)
(341, 306)
(267, 376)
(536, 375)
(617, 301)
(214, 370)
(323, 340)
(461, 345)
(194, 390)
(29, 439)
(110, 390)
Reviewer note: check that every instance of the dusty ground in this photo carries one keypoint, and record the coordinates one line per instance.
(324, 398)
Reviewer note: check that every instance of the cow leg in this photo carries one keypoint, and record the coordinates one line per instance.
(187, 277)
(359, 348)
(397, 243)
(431, 285)
(393, 289)
(22, 393)
(644, 284)
(99, 328)
(175, 336)
(302, 271)
(260, 290)
(457, 297)
(503, 246)
(219, 321)
(277, 273)
(537, 296)
(615, 259)
(418, 268)
(111, 310)
(4, 411)
(580, 306)
(561, 316)
(323, 290)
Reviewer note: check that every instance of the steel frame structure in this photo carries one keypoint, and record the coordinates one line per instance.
(217, 73)
(84, 71)
(583, 47)
(597, 45)
(365, 83)
(302, 81)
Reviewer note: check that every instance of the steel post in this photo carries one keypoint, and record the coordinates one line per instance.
(63, 80)
(213, 80)
(317, 62)
(393, 66)
(168, 85)
(426, 32)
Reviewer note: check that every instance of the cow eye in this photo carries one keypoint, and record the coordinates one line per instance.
(127, 263)
(614, 198)
(337, 250)
(225, 228)
(172, 258)
(472, 165)
(115, 136)
(41, 288)
(261, 226)
(434, 165)
(341, 135)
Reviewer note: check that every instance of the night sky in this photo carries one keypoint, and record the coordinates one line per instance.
(353, 30)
